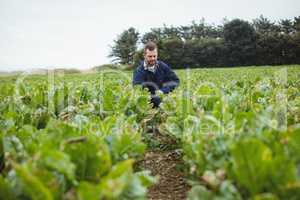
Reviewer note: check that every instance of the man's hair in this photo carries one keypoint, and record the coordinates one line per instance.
(150, 46)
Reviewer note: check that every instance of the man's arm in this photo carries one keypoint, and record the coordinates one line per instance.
(138, 77)
(172, 81)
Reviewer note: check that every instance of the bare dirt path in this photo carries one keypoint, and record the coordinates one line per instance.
(165, 164)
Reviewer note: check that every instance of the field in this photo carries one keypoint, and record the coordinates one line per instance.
(223, 134)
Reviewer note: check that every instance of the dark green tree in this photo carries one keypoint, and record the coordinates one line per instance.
(203, 30)
(240, 39)
(275, 44)
(125, 46)
(171, 52)
(185, 32)
(263, 25)
(286, 26)
(171, 32)
(155, 35)
(296, 38)
(296, 23)
(234, 43)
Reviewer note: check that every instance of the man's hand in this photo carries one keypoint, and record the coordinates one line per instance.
(155, 99)
(159, 93)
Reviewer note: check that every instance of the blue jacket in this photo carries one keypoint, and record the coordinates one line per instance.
(163, 78)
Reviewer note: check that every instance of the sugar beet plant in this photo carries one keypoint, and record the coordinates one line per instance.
(78, 136)
(240, 136)
(69, 138)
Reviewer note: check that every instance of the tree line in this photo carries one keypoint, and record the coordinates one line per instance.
(234, 43)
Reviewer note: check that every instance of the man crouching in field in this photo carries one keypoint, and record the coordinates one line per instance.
(154, 74)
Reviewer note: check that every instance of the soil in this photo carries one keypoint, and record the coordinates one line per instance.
(165, 164)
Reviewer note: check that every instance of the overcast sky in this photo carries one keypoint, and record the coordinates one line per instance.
(77, 33)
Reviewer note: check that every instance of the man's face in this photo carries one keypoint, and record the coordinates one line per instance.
(150, 56)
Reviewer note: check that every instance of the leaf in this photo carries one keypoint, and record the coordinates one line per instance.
(58, 161)
(200, 193)
(2, 163)
(211, 179)
(114, 184)
(6, 191)
(294, 144)
(88, 191)
(125, 143)
(267, 196)
(228, 191)
(33, 187)
(255, 168)
(108, 100)
(92, 158)
(121, 168)
(145, 178)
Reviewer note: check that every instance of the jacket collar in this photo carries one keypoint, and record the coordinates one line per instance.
(151, 68)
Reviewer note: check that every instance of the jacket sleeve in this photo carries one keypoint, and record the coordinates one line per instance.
(138, 77)
(172, 81)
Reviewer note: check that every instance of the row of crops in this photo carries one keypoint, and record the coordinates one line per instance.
(79, 136)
